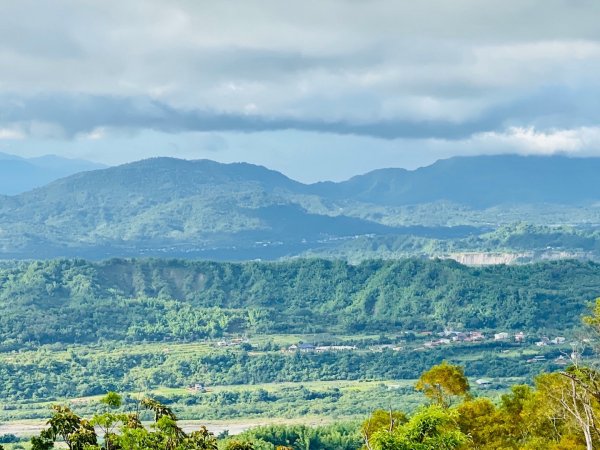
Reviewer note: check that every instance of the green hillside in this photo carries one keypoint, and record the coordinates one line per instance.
(79, 301)
(165, 207)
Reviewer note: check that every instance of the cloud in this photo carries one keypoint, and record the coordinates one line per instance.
(438, 77)
(8, 133)
(530, 141)
(65, 115)
(90, 115)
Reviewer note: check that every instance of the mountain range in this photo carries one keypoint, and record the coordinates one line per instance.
(19, 175)
(477, 182)
(205, 209)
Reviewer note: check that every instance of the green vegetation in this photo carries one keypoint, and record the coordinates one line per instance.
(185, 354)
(203, 209)
(72, 328)
(559, 412)
(81, 371)
(514, 243)
(74, 301)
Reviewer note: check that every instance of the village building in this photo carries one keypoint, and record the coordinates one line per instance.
(334, 348)
(543, 342)
(561, 361)
(501, 336)
(475, 336)
(304, 348)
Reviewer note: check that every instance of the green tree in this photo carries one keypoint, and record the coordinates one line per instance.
(76, 432)
(239, 445)
(42, 442)
(382, 420)
(108, 420)
(443, 382)
(566, 397)
(432, 428)
(121, 431)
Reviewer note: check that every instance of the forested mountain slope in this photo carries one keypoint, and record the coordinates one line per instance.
(203, 209)
(175, 206)
(477, 182)
(79, 301)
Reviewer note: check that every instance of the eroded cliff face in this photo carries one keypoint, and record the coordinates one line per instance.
(485, 258)
(491, 258)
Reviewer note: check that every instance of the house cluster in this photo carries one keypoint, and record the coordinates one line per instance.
(310, 348)
(504, 336)
(380, 348)
(537, 359)
(197, 387)
(450, 336)
(561, 360)
(233, 342)
(301, 347)
(559, 340)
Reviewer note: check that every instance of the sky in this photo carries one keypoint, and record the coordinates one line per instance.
(316, 89)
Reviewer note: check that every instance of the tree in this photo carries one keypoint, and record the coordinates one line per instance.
(432, 428)
(157, 408)
(569, 400)
(76, 432)
(112, 400)
(593, 321)
(239, 445)
(80, 434)
(41, 442)
(381, 420)
(108, 420)
(442, 382)
(480, 420)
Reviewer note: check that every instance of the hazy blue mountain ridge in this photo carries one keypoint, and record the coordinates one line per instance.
(19, 175)
(477, 182)
(242, 211)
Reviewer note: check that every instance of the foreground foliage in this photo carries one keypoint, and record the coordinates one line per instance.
(559, 412)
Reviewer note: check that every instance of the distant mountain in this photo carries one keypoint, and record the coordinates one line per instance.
(167, 206)
(477, 182)
(18, 174)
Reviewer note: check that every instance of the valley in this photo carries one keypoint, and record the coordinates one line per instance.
(252, 303)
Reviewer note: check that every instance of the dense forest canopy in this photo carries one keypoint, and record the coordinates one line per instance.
(80, 301)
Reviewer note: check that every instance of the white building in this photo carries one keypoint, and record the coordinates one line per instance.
(501, 336)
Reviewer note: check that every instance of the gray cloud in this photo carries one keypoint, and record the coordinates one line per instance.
(547, 108)
(76, 114)
(388, 69)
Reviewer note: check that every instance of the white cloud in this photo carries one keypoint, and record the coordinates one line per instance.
(94, 135)
(11, 133)
(530, 141)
